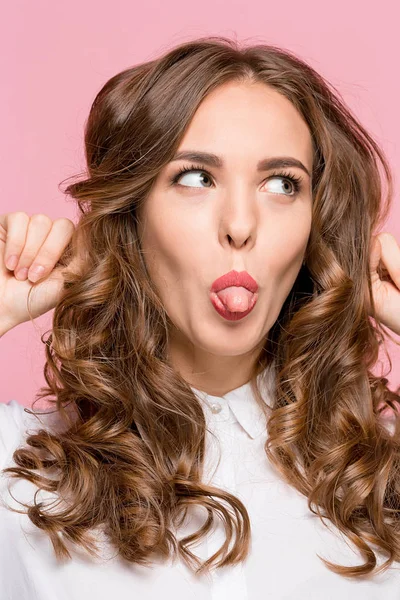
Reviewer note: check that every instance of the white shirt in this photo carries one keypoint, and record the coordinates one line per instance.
(286, 537)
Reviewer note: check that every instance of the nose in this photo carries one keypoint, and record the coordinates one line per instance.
(239, 218)
(237, 241)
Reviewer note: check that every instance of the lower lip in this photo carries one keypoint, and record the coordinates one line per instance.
(227, 314)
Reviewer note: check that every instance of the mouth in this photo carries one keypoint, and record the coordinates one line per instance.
(234, 295)
(234, 278)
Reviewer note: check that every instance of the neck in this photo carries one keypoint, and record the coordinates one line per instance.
(213, 374)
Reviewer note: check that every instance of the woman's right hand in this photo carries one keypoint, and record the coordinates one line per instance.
(34, 241)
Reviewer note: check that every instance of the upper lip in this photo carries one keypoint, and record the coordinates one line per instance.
(242, 279)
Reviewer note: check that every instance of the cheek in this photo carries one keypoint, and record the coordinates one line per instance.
(169, 244)
(285, 253)
(287, 244)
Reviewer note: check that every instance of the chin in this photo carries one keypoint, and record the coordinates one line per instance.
(227, 340)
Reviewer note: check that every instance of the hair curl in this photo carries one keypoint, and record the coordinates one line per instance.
(132, 459)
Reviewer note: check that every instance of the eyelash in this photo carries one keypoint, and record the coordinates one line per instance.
(294, 179)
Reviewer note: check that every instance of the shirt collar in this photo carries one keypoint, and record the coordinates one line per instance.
(243, 403)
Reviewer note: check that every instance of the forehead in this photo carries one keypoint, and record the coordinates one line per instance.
(249, 119)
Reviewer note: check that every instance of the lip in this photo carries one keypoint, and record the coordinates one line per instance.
(242, 279)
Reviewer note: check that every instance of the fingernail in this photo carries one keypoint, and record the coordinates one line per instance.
(12, 262)
(37, 269)
(36, 272)
(21, 273)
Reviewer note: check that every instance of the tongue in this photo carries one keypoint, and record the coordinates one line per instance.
(235, 298)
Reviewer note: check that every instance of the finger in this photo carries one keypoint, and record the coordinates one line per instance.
(38, 228)
(13, 231)
(390, 256)
(375, 254)
(52, 249)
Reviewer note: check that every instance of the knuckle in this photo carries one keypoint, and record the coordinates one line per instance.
(41, 219)
(19, 214)
(18, 222)
(65, 222)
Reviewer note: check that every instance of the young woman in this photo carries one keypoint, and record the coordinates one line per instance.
(217, 431)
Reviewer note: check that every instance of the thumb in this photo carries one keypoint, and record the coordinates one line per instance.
(375, 255)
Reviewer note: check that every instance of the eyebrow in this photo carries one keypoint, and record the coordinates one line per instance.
(266, 164)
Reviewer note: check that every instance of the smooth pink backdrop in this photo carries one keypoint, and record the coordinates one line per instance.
(56, 56)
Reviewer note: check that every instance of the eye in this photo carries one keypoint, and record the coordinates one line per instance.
(192, 176)
(289, 183)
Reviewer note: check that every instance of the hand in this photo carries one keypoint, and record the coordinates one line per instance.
(35, 240)
(385, 277)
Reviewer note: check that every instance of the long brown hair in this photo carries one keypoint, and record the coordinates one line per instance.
(131, 461)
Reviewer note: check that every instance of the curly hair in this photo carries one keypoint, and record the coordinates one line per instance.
(131, 460)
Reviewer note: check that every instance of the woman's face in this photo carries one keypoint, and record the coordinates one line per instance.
(229, 216)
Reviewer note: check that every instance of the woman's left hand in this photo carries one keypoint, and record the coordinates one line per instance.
(385, 254)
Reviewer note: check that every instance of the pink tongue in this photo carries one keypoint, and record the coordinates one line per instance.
(235, 298)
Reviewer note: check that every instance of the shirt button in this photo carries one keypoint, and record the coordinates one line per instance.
(216, 408)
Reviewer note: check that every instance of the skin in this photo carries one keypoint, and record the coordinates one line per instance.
(234, 218)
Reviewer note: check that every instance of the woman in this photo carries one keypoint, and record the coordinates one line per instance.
(218, 309)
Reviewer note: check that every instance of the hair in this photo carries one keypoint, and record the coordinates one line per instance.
(131, 461)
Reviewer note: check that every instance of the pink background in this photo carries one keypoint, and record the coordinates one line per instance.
(55, 57)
